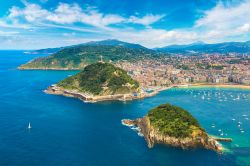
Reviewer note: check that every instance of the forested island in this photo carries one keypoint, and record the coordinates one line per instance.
(174, 126)
(98, 82)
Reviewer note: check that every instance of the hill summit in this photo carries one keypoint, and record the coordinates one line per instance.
(79, 56)
(174, 126)
(99, 82)
(101, 79)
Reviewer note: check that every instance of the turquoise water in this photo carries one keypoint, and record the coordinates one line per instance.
(66, 131)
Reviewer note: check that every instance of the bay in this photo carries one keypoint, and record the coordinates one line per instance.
(66, 131)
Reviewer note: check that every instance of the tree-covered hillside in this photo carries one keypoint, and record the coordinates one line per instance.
(101, 79)
(77, 57)
(174, 121)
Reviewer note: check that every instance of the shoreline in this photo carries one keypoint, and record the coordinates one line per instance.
(55, 69)
(55, 90)
(200, 85)
(152, 137)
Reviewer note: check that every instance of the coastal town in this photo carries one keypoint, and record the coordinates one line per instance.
(183, 70)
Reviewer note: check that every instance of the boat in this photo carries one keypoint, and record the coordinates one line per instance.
(29, 126)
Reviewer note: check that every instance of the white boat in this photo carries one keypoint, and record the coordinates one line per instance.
(29, 126)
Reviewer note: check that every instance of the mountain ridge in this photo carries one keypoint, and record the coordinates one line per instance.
(108, 42)
(196, 47)
(225, 47)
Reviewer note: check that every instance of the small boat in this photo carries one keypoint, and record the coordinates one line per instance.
(29, 126)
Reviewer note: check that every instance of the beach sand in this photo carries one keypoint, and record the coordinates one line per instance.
(236, 86)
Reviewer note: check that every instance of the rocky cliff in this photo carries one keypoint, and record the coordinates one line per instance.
(153, 136)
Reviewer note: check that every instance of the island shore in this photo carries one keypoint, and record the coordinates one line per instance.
(152, 137)
(54, 89)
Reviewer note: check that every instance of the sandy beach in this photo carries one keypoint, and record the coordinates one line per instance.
(236, 86)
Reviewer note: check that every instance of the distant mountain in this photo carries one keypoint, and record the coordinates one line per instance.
(45, 51)
(108, 42)
(201, 47)
(114, 42)
(77, 57)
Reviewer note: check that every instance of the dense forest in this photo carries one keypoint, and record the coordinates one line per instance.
(77, 57)
(101, 78)
(173, 121)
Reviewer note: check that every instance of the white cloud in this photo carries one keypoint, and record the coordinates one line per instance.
(146, 20)
(219, 24)
(72, 13)
(8, 33)
(31, 13)
(244, 28)
(227, 21)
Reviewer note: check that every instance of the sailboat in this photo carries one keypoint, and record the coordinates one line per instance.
(29, 126)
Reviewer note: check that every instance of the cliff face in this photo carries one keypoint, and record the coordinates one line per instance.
(153, 136)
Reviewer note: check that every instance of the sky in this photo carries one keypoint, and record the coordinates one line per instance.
(35, 24)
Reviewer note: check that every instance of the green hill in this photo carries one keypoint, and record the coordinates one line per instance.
(172, 125)
(101, 79)
(77, 57)
(174, 121)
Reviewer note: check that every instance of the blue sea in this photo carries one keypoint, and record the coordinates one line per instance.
(68, 132)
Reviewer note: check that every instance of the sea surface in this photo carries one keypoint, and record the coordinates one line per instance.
(68, 132)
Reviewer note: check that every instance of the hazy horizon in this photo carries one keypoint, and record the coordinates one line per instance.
(37, 24)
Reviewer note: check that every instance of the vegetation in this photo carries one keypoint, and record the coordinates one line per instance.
(101, 78)
(183, 67)
(208, 66)
(77, 57)
(174, 121)
(197, 48)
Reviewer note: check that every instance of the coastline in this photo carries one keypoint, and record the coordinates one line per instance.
(55, 90)
(60, 69)
(152, 137)
(200, 85)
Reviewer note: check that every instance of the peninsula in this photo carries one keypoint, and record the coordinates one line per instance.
(99, 82)
(174, 126)
(78, 56)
